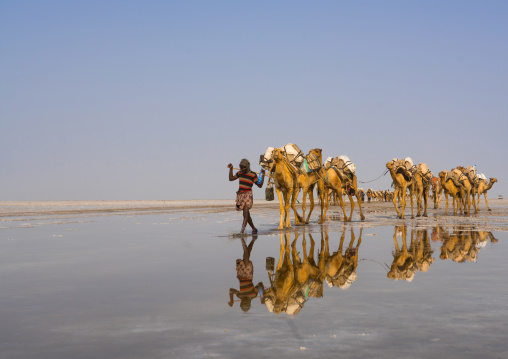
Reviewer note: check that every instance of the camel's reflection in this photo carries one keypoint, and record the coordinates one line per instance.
(302, 269)
(461, 244)
(296, 279)
(408, 261)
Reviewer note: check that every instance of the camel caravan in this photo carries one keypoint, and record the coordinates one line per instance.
(292, 171)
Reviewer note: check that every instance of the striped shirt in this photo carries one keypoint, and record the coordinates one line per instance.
(247, 289)
(246, 181)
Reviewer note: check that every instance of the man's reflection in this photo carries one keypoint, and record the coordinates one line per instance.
(245, 275)
(340, 269)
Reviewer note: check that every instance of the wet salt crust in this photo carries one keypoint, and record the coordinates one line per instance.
(153, 282)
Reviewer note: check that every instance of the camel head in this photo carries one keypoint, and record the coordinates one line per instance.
(277, 154)
(493, 180)
(317, 151)
(442, 174)
(390, 165)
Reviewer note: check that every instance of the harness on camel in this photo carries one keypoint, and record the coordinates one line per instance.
(344, 175)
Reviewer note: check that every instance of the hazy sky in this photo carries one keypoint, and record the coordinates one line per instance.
(152, 99)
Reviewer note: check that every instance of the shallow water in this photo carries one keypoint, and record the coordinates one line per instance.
(157, 286)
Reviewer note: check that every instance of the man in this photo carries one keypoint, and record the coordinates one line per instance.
(244, 198)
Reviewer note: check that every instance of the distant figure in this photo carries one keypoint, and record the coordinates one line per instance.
(244, 197)
(245, 274)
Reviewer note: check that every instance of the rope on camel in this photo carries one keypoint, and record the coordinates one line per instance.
(384, 174)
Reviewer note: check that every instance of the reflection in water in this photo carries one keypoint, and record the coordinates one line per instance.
(245, 274)
(296, 279)
(406, 262)
(300, 276)
(461, 244)
(341, 268)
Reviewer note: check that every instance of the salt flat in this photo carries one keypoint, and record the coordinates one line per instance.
(151, 279)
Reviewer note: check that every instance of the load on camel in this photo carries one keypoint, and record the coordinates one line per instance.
(402, 173)
(292, 171)
(340, 177)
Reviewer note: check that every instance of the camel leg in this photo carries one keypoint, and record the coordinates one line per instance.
(358, 199)
(467, 201)
(341, 200)
(418, 203)
(296, 192)
(304, 205)
(311, 200)
(474, 204)
(321, 190)
(403, 203)
(411, 199)
(395, 196)
(282, 211)
(425, 200)
(326, 199)
(486, 202)
(352, 204)
(287, 204)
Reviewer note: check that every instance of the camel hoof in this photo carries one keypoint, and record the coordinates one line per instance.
(489, 210)
(425, 215)
(363, 218)
(412, 217)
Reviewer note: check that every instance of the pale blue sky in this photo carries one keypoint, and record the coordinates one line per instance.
(152, 99)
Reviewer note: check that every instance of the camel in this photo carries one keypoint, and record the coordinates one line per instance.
(340, 183)
(450, 189)
(482, 188)
(460, 246)
(403, 265)
(309, 276)
(284, 179)
(437, 191)
(422, 187)
(401, 184)
(340, 268)
(422, 250)
(307, 182)
(467, 180)
(282, 285)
